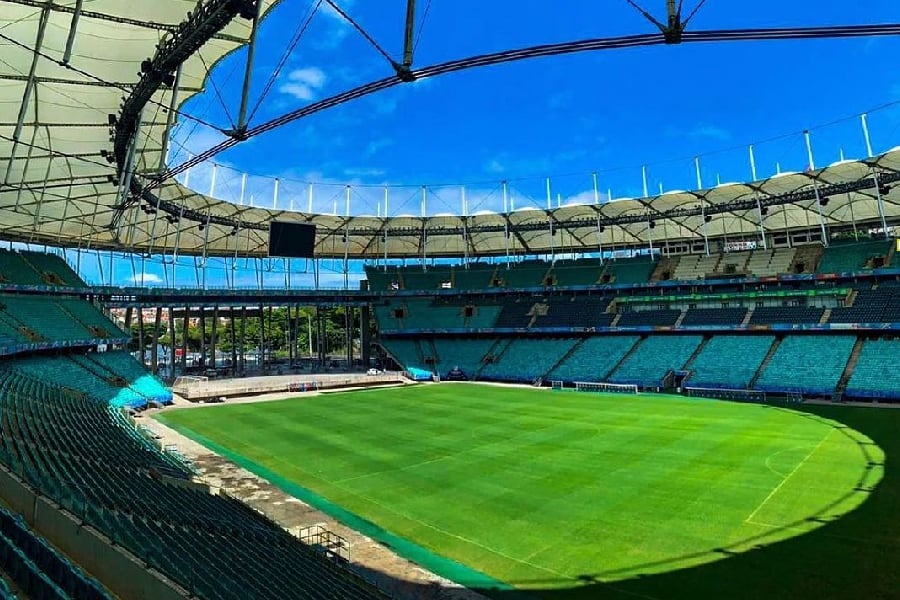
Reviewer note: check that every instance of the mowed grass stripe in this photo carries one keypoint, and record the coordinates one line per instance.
(522, 484)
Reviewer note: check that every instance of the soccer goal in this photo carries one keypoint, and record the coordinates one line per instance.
(596, 387)
(727, 394)
(557, 385)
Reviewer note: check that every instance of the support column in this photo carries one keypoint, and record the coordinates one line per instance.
(243, 358)
(203, 336)
(234, 361)
(348, 334)
(365, 338)
(214, 337)
(172, 343)
(154, 350)
(128, 317)
(141, 334)
(262, 338)
(185, 324)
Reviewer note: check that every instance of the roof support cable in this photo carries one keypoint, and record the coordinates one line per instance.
(289, 50)
(365, 35)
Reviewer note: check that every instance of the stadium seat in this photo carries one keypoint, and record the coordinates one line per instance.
(843, 257)
(653, 358)
(876, 374)
(524, 360)
(729, 361)
(593, 360)
(807, 364)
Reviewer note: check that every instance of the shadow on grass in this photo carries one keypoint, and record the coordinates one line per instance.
(855, 556)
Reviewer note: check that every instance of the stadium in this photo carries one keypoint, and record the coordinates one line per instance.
(217, 384)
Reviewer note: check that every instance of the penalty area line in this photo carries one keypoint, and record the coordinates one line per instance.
(789, 475)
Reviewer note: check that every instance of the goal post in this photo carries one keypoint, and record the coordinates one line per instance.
(557, 385)
(740, 395)
(600, 388)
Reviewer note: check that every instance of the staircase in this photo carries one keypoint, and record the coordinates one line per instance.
(680, 318)
(838, 394)
(497, 351)
(624, 358)
(825, 316)
(748, 316)
(851, 297)
(615, 322)
(76, 319)
(809, 256)
(667, 264)
(765, 363)
(697, 352)
(890, 255)
(565, 357)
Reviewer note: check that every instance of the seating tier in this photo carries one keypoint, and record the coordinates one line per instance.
(654, 357)
(807, 364)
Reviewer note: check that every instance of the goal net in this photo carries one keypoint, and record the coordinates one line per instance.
(615, 388)
(556, 385)
(726, 394)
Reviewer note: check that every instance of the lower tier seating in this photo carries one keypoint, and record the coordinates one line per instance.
(654, 357)
(405, 351)
(729, 361)
(807, 364)
(74, 446)
(37, 568)
(767, 315)
(876, 374)
(594, 358)
(465, 355)
(526, 359)
(649, 318)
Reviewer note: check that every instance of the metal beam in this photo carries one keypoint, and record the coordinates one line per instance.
(29, 87)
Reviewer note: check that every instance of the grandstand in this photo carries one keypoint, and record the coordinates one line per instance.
(783, 288)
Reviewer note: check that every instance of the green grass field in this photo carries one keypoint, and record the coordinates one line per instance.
(567, 495)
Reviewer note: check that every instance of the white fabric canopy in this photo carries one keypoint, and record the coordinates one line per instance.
(60, 189)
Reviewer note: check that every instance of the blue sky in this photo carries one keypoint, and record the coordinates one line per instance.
(564, 117)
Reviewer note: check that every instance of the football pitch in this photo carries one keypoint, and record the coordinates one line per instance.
(523, 492)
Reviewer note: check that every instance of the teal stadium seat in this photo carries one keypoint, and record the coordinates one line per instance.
(653, 358)
(523, 360)
(629, 270)
(464, 354)
(807, 364)
(729, 361)
(876, 374)
(594, 359)
(843, 257)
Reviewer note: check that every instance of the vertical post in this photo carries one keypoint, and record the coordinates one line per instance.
(170, 117)
(212, 180)
(549, 196)
(202, 322)
(213, 336)
(762, 230)
(309, 201)
(243, 188)
(644, 178)
(465, 224)
(600, 238)
(154, 351)
(505, 186)
(650, 233)
(185, 330)
(243, 359)
(275, 195)
(140, 315)
(234, 358)
(868, 139)
(596, 190)
(812, 167)
(248, 71)
(172, 343)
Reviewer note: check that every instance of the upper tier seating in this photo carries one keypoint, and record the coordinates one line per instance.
(628, 270)
(651, 318)
(75, 448)
(694, 267)
(526, 274)
(841, 257)
(35, 268)
(729, 361)
(654, 357)
(465, 355)
(525, 359)
(767, 315)
(585, 271)
(381, 280)
(568, 311)
(871, 306)
(807, 364)
(759, 263)
(594, 358)
(516, 312)
(714, 316)
(37, 568)
(32, 319)
(477, 276)
(876, 374)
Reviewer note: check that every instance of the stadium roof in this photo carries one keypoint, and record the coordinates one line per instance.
(65, 136)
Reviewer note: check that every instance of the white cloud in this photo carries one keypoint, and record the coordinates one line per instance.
(304, 84)
(705, 130)
(145, 279)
